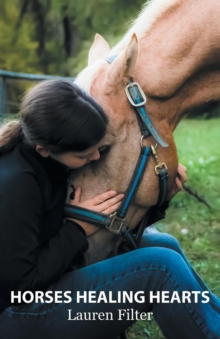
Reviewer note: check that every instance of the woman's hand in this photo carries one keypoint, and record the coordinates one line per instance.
(179, 182)
(107, 203)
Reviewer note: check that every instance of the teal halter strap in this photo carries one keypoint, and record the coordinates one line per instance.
(116, 222)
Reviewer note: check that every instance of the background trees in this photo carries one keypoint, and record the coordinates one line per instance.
(53, 36)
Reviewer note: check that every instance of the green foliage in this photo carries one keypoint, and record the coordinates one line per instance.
(95, 16)
(18, 48)
(91, 16)
(144, 330)
(34, 38)
(198, 145)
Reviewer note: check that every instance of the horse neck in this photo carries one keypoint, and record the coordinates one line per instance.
(178, 63)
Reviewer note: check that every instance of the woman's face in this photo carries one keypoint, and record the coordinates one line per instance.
(75, 159)
(78, 159)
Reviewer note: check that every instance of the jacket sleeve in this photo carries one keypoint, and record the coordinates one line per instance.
(24, 264)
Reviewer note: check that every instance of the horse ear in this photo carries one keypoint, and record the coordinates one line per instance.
(99, 49)
(124, 64)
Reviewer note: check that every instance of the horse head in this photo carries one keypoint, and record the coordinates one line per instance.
(174, 78)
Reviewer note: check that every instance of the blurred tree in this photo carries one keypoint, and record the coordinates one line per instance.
(85, 18)
(18, 47)
(53, 36)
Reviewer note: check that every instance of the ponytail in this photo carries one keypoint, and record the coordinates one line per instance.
(10, 135)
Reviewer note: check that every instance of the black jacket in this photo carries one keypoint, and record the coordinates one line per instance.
(36, 247)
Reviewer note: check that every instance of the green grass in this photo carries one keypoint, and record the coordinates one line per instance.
(195, 226)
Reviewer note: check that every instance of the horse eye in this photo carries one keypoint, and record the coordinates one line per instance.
(104, 149)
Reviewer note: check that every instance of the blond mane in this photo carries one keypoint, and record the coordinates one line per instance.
(148, 16)
(85, 77)
(150, 13)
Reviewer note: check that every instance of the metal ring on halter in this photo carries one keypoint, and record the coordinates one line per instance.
(141, 142)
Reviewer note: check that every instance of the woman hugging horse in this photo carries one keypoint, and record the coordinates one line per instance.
(62, 128)
(67, 269)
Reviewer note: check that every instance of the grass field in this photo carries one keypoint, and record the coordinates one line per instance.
(196, 226)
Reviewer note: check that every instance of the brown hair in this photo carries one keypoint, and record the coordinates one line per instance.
(57, 115)
(10, 135)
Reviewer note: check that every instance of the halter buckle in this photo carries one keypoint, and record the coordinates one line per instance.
(159, 166)
(121, 224)
(138, 92)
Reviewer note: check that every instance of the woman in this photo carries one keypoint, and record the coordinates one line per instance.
(62, 128)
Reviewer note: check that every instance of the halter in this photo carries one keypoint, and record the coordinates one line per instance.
(116, 223)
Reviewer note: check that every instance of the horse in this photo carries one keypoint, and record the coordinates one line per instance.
(172, 51)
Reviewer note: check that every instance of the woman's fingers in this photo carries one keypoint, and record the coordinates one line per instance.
(179, 185)
(180, 179)
(102, 197)
(110, 203)
(182, 173)
(181, 166)
(112, 209)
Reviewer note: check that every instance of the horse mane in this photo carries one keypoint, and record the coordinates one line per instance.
(151, 12)
(85, 77)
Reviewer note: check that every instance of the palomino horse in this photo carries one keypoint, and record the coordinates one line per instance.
(172, 50)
